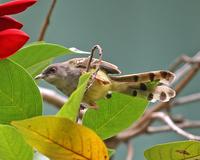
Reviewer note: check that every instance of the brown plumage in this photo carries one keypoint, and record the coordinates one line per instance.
(65, 77)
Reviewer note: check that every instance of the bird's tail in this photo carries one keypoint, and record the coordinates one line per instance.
(149, 85)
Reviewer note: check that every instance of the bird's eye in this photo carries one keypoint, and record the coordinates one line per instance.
(52, 70)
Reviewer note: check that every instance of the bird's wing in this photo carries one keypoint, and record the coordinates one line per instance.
(106, 66)
(110, 68)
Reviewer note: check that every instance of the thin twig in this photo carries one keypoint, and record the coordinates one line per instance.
(130, 151)
(185, 68)
(46, 21)
(164, 117)
(186, 99)
(183, 59)
(131, 132)
(193, 71)
(185, 124)
(176, 63)
(190, 60)
(100, 52)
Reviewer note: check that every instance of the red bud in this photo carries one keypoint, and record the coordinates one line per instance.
(11, 40)
(15, 6)
(7, 22)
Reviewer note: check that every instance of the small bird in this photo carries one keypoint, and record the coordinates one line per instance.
(65, 76)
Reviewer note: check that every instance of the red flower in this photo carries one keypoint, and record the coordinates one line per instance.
(7, 22)
(11, 38)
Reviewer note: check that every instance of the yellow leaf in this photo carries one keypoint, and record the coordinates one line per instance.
(61, 139)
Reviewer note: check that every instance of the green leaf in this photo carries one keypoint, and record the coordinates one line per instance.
(19, 95)
(13, 145)
(114, 114)
(182, 150)
(71, 107)
(36, 56)
(111, 152)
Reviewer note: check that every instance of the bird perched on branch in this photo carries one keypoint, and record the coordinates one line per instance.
(65, 77)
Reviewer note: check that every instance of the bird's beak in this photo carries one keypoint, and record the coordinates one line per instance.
(39, 76)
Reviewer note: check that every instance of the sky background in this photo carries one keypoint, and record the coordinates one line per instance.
(136, 35)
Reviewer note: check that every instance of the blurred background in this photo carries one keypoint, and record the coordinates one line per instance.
(136, 35)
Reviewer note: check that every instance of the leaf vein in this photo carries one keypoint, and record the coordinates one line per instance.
(113, 117)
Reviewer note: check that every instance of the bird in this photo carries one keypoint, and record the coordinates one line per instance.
(108, 79)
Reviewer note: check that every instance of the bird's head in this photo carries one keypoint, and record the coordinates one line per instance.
(53, 73)
(63, 75)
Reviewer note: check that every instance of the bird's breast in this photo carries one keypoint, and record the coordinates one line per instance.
(99, 88)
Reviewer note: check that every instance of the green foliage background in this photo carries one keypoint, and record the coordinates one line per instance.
(136, 35)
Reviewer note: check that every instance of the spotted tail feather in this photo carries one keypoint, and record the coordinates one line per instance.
(143, 86)
(159, 93)
(165, 77)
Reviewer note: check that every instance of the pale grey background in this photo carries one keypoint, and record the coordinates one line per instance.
(137, 35)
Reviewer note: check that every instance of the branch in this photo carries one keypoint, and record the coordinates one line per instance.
(52, 97)
(183, 59)
(164, 117)
(191, 73)
(46, 21)
(130, 150)
(176, 63)
(185, 68)
(186, 99)
(185, 124)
